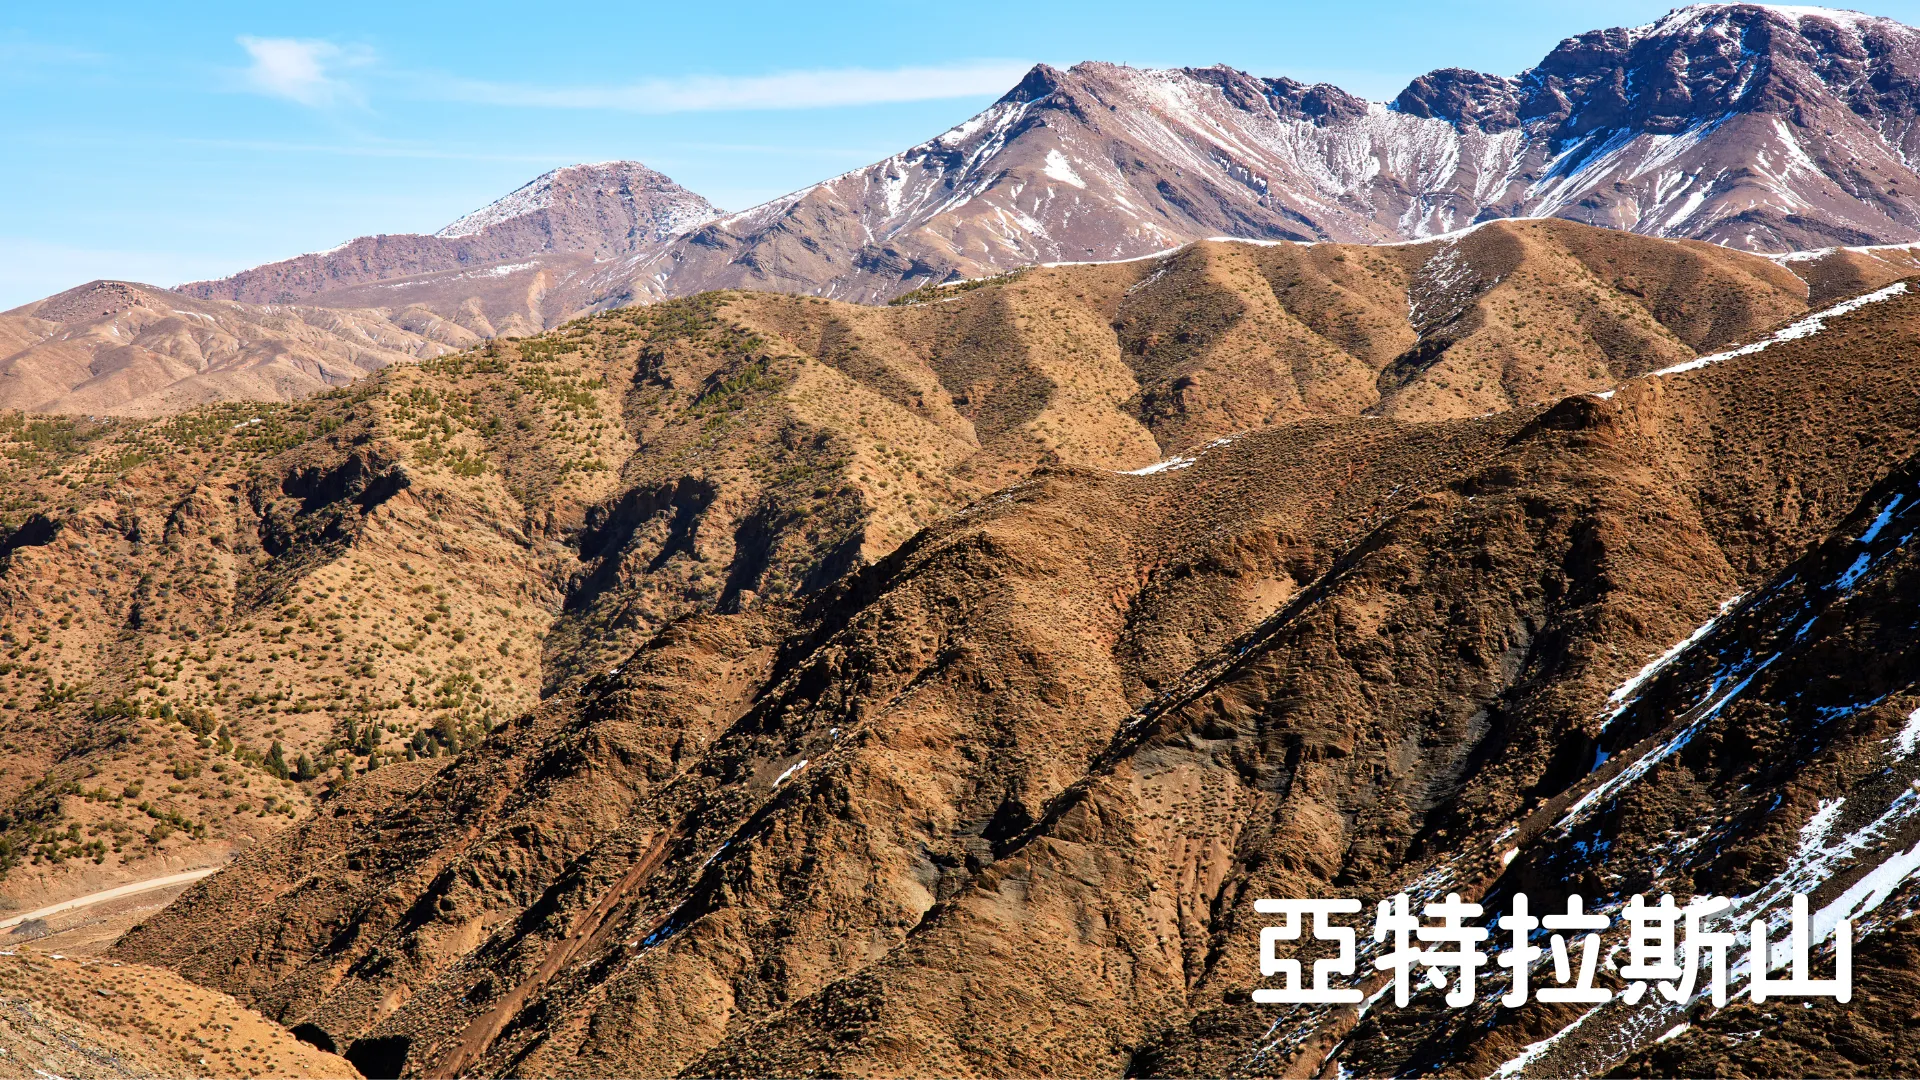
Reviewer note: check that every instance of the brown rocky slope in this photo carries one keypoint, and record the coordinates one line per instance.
(119, 348)
(996, 800)
(83, 1018)
(391, 570)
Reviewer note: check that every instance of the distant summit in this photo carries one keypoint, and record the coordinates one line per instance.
(612, 208)
(601, 211)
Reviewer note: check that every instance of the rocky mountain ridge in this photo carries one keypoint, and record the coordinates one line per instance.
(1763, 128)
(1766, 129)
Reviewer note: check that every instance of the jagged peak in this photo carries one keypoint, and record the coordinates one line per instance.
(1464, 98)
(1039, 81)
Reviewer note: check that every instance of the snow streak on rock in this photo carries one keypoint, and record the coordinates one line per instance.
(1806, 327)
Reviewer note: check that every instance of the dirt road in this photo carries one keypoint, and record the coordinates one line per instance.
(104, 895)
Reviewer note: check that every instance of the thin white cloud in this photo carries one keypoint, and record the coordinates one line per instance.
(721, 93)
(300, 70)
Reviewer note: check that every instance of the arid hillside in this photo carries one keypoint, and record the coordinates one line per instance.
(123, 349)
(999, 800)
(1509, 312)
(395, 568)
(86, 1018)
(735, 684)
(1833, 273)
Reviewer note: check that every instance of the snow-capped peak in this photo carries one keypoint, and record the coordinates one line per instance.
(535, 194)
(1683, 19)
(658, 206)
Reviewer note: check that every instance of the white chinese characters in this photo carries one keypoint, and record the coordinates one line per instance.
(1320, 992)
(1397, 922)
(1839, 988)
(1670, 948)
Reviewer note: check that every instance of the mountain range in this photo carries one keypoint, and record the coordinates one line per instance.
(753, 682)
(1765, 129)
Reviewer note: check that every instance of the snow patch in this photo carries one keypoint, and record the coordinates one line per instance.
(1908, 740)
(534, 195)
(1059, 168)
(1816, 862)
(1806, 327)
(1852, 575)
(1655, 756)
(1880, 521)
(1867, 894)
(1532, 1051)
(1620, 699)
(1180, 461)
(1813, 835)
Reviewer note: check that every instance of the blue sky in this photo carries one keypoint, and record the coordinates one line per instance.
(168, 145)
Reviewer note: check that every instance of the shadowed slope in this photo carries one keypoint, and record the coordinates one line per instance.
(998, 800)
